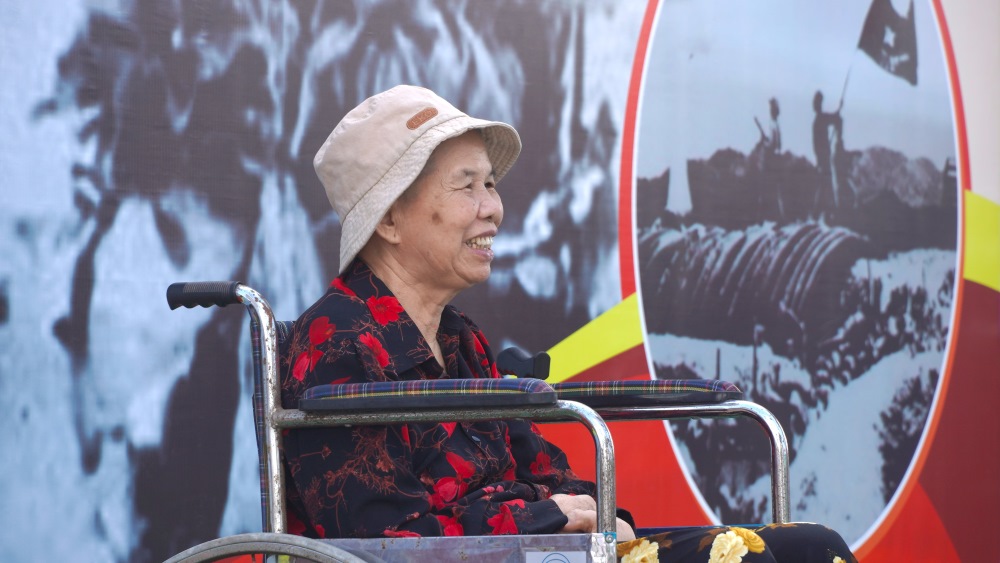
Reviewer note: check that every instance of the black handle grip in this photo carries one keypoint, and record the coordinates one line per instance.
(203, 294)
(515, 361)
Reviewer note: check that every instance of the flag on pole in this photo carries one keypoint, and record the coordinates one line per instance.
(891, 40)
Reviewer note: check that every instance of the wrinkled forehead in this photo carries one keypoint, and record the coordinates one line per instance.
(460, 157)
(455, 162)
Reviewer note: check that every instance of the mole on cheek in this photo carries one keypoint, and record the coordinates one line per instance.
(436, 218)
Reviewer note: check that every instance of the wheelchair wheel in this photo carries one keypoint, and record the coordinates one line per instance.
(300, 548)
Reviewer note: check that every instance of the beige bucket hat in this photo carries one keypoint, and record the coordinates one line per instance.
(380, 147)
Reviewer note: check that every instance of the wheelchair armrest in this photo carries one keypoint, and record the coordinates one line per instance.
(426, 394)
(597, 394)
(517, 362)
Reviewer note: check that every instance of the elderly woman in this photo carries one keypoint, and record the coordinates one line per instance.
(414, 181)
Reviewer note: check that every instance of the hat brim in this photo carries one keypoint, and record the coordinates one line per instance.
(503, 145)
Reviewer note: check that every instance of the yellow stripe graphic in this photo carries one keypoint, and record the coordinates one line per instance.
(614, 332)
(982, 241)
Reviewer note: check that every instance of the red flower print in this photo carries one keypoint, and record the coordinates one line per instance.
(479, 345)
(339, 284)
(503, 522)
(482, 337)
(516, 502)
(449, 489)
(305, 363)
(510, 475)
(320, 330)
(404, 433)
(295, 525)
(451, 526)
(437, 503)
(494, 372)
(463, 467)
(384, 309)
(399, 533)
(449, 427)
(542, 464)
(369, 340)
(320, 530)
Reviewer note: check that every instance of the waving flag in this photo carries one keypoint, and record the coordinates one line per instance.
(891, 40)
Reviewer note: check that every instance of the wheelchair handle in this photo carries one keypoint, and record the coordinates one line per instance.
(202, 294)
(517, 362)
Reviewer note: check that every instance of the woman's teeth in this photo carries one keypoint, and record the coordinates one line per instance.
(480, 243)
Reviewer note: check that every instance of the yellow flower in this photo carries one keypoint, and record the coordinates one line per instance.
(624, 547)
(727, 548)
(642, 552)
(837, 559)
(754, 542)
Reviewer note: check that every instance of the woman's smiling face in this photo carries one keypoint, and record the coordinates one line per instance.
(447, 219)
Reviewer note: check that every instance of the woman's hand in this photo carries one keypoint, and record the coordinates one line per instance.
(569, 503)
(581, 510)
(625, 532)
(580, 522)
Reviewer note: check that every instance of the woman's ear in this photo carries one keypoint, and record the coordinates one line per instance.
(388, 227)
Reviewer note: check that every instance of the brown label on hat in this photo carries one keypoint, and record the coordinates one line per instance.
(421, 117)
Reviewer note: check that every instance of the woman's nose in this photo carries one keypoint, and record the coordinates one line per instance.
(491, 207)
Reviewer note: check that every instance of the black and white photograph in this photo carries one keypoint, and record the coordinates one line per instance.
(796, 226)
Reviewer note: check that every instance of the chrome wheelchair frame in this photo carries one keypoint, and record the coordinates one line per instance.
(271, 419)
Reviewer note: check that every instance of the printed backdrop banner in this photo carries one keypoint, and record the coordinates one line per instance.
(708, 190)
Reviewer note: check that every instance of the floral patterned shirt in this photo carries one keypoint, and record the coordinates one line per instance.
(432, 479)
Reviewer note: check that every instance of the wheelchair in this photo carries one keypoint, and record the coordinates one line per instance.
(525, 397)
